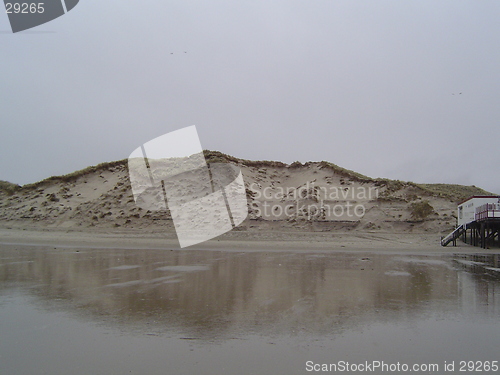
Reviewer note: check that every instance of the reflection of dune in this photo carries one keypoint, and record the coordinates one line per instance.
(207, 291)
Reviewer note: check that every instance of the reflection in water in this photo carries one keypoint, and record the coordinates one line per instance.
(211, 290)
(208, 295)
(479, 284)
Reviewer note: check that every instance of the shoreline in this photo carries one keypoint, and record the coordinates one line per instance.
(236, 241)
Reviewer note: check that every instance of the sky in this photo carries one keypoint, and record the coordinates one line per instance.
(398, 89)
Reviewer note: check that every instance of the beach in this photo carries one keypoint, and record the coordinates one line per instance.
(235, 240)
(112, 303)
(93, 282)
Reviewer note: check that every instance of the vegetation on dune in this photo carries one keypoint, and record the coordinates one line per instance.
(452, 192)
(8, 187)
(219, 157)
(420, 210)
(345, 172)
(71, 177)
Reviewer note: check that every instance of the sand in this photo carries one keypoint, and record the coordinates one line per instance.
(236, 240)
(95, 207)
(308, 197)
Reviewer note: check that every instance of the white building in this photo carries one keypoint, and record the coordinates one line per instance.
(467, 209)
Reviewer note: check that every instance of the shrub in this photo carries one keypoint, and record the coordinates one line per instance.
(8, 187)
(421, 210)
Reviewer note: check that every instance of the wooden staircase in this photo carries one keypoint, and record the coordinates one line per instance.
(453, 236)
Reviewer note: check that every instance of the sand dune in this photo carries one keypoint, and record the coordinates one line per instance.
(315, 197)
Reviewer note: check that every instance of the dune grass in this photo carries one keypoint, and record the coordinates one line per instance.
(8, 187)
(452, 192)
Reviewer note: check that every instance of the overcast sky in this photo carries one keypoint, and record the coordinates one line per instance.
(373, 86)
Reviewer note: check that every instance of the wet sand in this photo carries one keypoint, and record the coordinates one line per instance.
(89, 310)
(275, 240)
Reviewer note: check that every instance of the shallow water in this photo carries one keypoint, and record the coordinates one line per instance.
(102, 311)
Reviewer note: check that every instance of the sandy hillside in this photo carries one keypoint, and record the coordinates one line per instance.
(315, 196)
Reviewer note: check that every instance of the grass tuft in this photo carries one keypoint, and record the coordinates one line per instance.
(8, 187)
